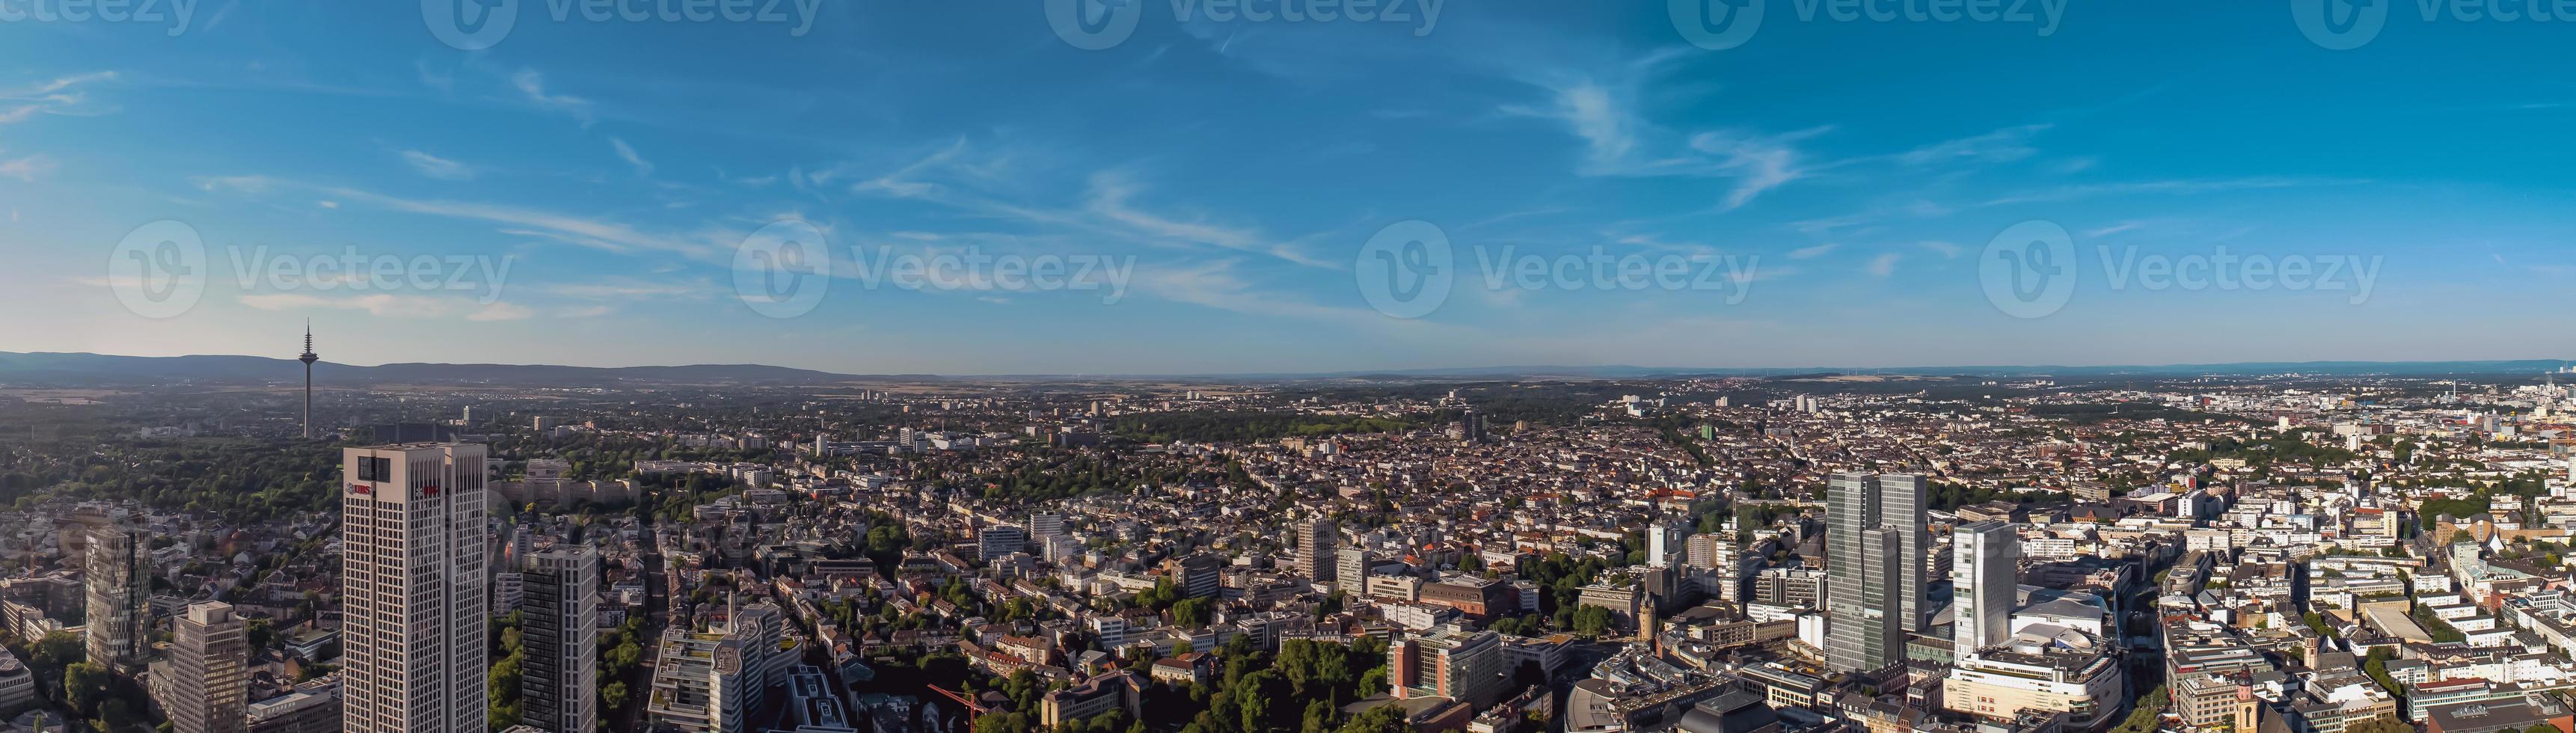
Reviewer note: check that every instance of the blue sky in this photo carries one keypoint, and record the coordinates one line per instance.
(1858, 170)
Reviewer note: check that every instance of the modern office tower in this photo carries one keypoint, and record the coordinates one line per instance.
(1725, 569)
(1471, 426)
(1985, 558)
(559, 637)
(1863, 602)
(1044, 525)
(997, 541)
(1449, 661)
(413, 567)
(118, 573)
(1318, 540)
(1704, 551)
(209, 663)
(1664, 542)
(1198, 576)
(1902, 500)
(1352, 576)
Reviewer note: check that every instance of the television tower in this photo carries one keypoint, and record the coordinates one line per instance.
(308, 358)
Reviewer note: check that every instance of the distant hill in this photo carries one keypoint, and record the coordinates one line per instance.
(77, 369)
(83, 369)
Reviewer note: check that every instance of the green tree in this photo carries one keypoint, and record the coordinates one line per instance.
(1191, 613)
(85, 686)
(1388, 718)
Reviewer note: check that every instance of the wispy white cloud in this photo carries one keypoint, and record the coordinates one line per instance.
(625, 152)
(1757, 162)
(1620, 141)
(59, 96)
(2113, 229)
(251, 184)
(1110, 193)
(388, 305)
(2169, 187)
(500, 311)
(2000, 146)
(532, 86)
(436, 167)
(27, 168)
(1805, 253)
(1884, 264)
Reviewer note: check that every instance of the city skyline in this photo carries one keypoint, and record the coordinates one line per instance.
(600, 188)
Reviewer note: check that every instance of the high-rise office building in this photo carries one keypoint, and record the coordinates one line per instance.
(208, 664)
(1902, 501)
(1318, 541)
(1197, 576)
(1352, 576)
(1449, 661)
(1704, 550)
(1985, 557)
(1043, 525)
(118, 573)
(1664, 542)
(559, 637)
(415, 615)
(994, 542)
(1863, 547)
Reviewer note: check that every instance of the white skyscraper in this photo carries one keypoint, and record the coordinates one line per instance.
(1985, 558)
(1664, 541)
(413, 563)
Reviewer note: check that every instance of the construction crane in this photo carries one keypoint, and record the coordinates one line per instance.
(973, 709)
